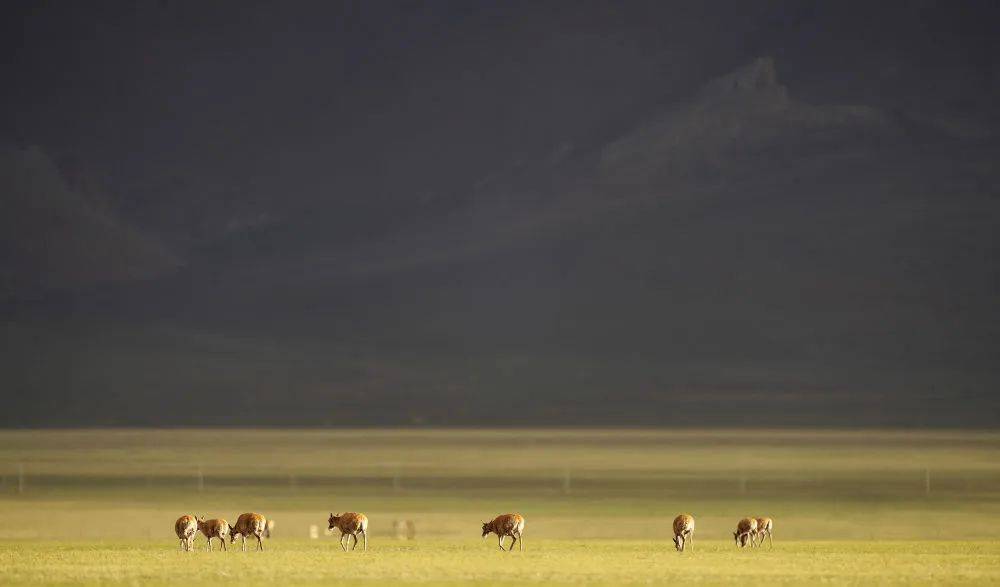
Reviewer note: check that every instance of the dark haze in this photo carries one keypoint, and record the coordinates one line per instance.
(472, 213)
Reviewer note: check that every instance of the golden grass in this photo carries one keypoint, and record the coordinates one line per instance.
(98, 506)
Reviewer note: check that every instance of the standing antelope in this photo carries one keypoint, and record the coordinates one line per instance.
(764, 527)
(506, 525)
(746, 529)
(350, 524)
(683, 531)
(185, 527)
(249, 524)
(216, 528)
(269, 528)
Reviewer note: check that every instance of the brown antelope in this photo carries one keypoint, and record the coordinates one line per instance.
(683, 531)
(746, 529)
(249, 524)
(269, 528)
(350, 524)
(215, 528)
(764, 527)
(185, 527)
(506, 525)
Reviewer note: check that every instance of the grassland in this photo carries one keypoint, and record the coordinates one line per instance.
(874, 506)
(614, 561)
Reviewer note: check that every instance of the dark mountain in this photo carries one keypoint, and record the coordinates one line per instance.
(736, 256)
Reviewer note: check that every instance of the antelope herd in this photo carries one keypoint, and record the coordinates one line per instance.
(753, 530)
(749, 531)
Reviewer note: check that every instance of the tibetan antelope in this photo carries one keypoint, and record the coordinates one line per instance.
(683, 531)
(185, 527)
(764, 527)
(506, 525)
(249, 524)
(215, 528)
(746, 530)
(350, 524)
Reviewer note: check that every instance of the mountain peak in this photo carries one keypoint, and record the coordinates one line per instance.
(759, 74)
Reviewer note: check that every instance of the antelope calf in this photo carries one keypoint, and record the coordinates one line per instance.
(215, 528)
(683, 531)
(350, 524)
(185, 527)
(764, 527)
(249, 524)
(506, 525)
(746, 529)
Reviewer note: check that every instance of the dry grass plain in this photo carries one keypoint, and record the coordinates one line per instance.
(97, 506)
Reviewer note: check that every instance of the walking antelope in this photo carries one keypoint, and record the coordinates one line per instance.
(746, 529)
(683, 531)
(185, 527)
(215, 528)
(350, 524)
(506, 525)
(249, 524)
(764, 527)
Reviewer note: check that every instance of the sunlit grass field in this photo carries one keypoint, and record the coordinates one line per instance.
(873, 506)
(614, 561)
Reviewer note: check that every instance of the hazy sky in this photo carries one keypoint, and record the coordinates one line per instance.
(472, 213)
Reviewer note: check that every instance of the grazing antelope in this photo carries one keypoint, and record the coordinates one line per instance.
(746, 529)
(506, 525)
(185, 527)
(683, 531)
(350, 524)
(249, 524)
(764, 527)
(215, 528)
